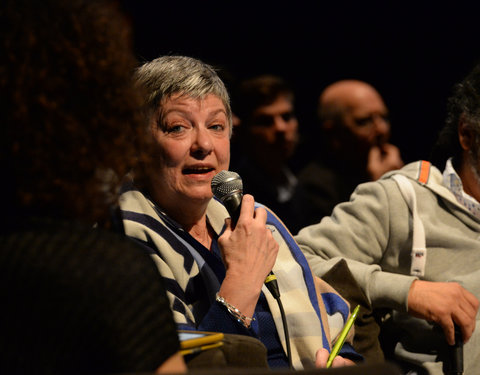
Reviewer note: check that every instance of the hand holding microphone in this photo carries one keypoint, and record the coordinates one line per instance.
(227, 187)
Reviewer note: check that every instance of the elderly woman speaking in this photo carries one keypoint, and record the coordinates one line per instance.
(214, 270)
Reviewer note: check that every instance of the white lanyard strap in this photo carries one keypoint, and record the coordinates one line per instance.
(419, 249)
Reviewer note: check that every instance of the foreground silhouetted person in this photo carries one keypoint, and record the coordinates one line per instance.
(76, 297)
(411, 240)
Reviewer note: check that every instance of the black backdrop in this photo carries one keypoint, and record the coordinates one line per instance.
(413, 53)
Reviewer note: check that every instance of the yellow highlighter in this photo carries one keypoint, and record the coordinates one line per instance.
(343, 335)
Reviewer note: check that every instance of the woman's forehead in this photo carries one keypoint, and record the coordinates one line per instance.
(185, 100)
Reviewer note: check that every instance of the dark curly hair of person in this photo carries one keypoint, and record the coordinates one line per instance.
(70, 116)
(462, 105)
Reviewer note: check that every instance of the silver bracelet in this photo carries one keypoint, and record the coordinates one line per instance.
(244, 320)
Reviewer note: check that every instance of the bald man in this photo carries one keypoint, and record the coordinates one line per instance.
(354, 147)
(355, 118)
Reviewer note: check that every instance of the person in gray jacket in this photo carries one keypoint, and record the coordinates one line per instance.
(411, 239)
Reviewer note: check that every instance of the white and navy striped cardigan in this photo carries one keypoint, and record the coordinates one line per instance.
(315, 312)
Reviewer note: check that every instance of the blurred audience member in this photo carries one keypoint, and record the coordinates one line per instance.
(77, 298)
(264, 143)
(353, 147)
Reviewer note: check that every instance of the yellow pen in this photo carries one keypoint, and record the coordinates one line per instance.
(200, 348)
(343, 335)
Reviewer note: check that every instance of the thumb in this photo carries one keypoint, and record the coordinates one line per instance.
(321, 358)
(375, 154)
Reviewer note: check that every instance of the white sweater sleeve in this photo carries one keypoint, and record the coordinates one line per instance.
(371, 232)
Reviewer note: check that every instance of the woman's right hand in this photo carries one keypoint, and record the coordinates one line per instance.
(249, 252)
(321, 359)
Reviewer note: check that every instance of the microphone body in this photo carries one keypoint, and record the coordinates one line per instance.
(455, 352)
(227, 186)
(232, 203)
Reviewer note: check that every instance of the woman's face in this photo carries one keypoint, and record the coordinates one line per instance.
(194, 145)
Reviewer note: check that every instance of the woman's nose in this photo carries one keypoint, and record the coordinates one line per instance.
(202, 143)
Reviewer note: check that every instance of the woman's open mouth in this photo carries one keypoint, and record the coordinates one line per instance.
(197, 170)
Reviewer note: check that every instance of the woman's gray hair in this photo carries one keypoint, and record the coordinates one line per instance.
(169, 75)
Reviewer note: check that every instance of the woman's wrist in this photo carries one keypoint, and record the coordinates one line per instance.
(235, 312)
(244, 297)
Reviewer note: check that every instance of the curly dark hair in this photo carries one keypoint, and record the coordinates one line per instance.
(70, 116)
(464, 103)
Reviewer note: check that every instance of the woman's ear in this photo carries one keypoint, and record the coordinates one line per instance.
(465, 134)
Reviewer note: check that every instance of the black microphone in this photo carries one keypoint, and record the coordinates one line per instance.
(227, 186)
(455, 352)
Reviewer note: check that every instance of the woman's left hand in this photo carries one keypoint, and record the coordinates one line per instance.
(322, 358)
(249, 252)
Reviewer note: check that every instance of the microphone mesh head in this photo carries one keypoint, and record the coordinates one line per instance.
(225, 183)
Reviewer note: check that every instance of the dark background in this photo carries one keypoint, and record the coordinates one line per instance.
(412, 53)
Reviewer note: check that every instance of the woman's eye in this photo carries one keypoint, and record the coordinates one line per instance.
(218, 127)
(174, 129)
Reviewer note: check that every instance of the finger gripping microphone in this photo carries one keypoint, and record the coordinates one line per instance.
(227, 187)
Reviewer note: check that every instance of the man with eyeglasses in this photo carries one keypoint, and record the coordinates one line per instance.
(352, 146)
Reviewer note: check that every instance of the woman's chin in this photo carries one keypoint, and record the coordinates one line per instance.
(200, 197)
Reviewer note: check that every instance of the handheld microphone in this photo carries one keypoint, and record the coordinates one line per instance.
(456, 354)
(227, 186)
